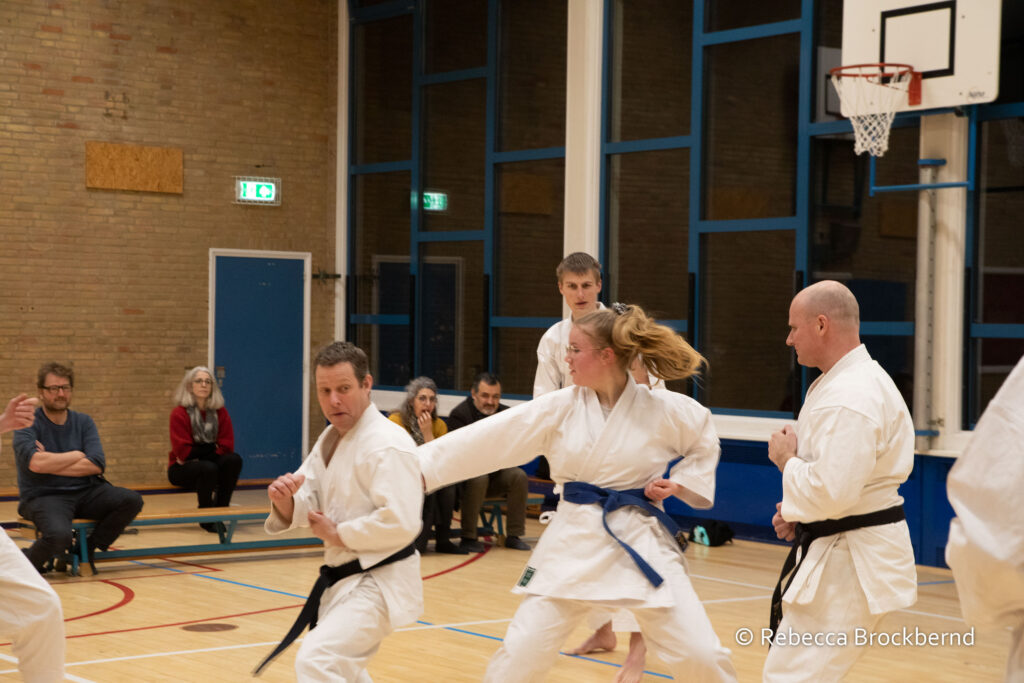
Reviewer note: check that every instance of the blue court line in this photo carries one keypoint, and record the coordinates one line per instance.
(932, 583)
(418, 621)
(217, 578)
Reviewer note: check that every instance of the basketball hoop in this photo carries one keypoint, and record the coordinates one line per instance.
(871, 93)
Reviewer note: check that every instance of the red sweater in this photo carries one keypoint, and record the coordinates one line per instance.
(181, 434)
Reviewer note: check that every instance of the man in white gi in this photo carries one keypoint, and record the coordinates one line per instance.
(986, 538)
(841, 467)
(360, 492)
(30, 613)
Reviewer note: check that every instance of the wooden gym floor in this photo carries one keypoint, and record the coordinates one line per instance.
(212, 618)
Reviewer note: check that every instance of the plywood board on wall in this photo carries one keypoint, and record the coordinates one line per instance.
(115, 166)
(526, 193)
(898, 216)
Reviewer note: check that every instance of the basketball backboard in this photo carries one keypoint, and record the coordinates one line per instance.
(953, 43)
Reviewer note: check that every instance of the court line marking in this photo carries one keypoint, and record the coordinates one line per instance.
(735, 583)
(455, 627)
(930, 614)
(67, 676)
(150, 655)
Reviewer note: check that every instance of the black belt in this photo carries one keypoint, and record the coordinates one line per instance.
(806, 533)
(328, 577)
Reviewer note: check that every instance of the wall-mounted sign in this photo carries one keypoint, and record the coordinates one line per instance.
(253, 190)
(435, 201)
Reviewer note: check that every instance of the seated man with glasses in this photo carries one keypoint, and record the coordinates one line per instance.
(60, 474)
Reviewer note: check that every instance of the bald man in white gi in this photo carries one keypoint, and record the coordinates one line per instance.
(30, 612)
(841, 466)
(360, 491)
(986, 538)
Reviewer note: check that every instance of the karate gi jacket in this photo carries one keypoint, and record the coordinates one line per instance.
(575, 557)
(372, 489)
(986, 538)
(855, 446)
(552, 370)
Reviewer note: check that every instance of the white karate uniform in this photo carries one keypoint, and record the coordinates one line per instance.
(30, 615)
(576, 564)
(986, 538)
(552, 374)
(371, 488)
(855, 446)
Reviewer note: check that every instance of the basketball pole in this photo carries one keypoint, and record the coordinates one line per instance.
(942, 228)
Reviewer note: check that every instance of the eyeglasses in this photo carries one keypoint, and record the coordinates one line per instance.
(206, 382)
(575, 351)
(58, 388)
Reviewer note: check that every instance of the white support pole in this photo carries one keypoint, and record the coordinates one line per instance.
(583, 127)
(945, 136)
(341, 174)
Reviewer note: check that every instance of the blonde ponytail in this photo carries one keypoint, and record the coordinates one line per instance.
(628, 331)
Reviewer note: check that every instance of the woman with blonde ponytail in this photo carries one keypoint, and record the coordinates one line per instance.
(609, 442)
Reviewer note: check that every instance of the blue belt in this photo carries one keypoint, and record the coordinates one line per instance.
(582, 493)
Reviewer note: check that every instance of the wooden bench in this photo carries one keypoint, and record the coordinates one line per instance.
(227, 519)
(491, 521)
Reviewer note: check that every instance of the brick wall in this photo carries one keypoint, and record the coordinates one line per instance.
(116, 282)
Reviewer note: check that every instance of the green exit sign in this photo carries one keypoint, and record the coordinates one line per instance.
(251, 190)
(435, 201)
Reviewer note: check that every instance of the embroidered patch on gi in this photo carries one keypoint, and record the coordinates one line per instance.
(527, 575)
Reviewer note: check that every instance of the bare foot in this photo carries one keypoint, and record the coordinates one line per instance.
(632, 670)
(602, 640)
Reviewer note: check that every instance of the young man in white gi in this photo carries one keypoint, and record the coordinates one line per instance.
(986, 538)
(841, 467)
(579, 283)
(360, 492)
(30, 613)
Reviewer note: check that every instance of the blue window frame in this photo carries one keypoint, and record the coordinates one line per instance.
(426, 292)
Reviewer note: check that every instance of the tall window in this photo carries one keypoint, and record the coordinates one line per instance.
(456, 186)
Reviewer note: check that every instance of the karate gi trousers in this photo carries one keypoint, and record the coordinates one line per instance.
(349, 631)
(839, 606)
(681, 636)
(31, 616)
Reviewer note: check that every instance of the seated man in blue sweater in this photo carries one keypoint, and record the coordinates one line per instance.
(60, 474)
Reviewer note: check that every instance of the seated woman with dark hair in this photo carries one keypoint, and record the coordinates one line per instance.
(418, 414)
(203, 457)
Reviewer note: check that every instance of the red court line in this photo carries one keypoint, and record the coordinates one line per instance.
(127, 595)
(459, 566)
(182, 623)
(130, 594)
(192, 564)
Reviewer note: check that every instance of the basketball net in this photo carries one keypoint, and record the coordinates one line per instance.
(872, 93)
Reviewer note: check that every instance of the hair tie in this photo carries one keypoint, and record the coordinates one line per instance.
(619, 308)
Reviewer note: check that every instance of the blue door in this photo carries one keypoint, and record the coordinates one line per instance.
(258, 351)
